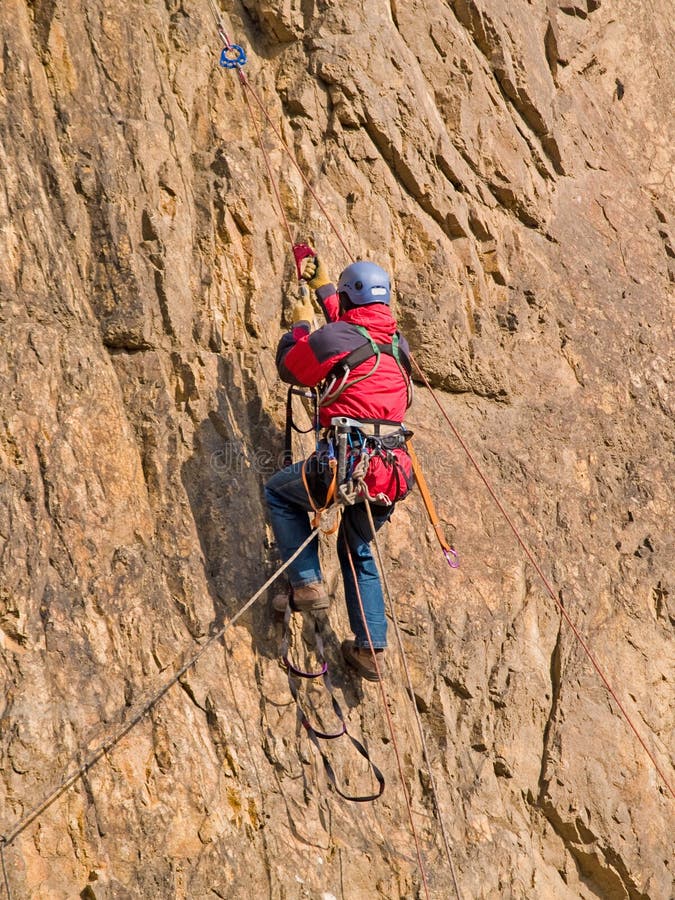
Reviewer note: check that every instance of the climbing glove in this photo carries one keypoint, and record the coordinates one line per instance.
(302, 311)
(314, 272)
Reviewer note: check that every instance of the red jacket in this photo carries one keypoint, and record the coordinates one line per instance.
(305, 358)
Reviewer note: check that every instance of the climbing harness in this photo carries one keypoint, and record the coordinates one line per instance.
(358, 460)
(373, 463)
(316, 735)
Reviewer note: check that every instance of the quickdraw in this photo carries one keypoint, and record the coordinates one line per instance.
(450, 554)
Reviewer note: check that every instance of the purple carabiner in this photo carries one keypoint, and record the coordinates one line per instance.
(451, 557)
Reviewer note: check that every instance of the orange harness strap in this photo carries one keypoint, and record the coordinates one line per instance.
(330, 496)
(428, 502)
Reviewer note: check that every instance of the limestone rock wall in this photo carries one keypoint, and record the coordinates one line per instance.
(512, 165)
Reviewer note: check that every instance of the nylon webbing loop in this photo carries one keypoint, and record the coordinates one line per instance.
(317, 735)
(330, 496)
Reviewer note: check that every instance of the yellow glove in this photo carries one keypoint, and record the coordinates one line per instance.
(303, 311)
(314, 272)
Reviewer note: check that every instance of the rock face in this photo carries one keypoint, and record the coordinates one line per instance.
(512, 164)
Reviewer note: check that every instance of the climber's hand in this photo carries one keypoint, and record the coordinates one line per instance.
(314, 272)
(302, 311)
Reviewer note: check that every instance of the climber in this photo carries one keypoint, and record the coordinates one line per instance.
(361, 363)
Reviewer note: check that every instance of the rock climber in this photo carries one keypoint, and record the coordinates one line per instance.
(361, 364)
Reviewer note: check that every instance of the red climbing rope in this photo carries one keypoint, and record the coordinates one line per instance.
(295, 163)
(268, 164)
(247, 86)
(390, 723)
(547, 584)
(420, 727)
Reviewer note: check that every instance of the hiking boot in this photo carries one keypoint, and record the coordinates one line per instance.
(309, 597)
(304, 599)
(362, 661)
(279, 603)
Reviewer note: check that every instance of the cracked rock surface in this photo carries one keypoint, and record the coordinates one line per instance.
(511, 163)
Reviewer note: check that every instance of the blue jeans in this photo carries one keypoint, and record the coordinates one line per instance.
(288, 505)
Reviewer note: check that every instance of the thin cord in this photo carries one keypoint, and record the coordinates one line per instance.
(420, 727)
(244, 80)
(111, 742)
(268, 165)
(3, 844)
(390, 723)
(546, 583)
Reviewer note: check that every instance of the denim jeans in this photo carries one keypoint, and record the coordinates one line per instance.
(288, 505)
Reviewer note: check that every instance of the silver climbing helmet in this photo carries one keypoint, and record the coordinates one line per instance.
(365, 282)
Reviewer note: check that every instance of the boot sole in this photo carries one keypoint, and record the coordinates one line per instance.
(310, 606)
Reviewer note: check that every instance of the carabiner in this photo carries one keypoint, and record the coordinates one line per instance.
(452, 557)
